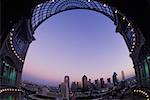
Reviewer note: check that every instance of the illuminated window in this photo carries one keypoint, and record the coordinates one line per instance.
(146, 68)
(12, 75)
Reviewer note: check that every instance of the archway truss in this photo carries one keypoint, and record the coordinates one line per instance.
(45, 10)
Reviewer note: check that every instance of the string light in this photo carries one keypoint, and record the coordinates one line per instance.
(10, 89)
(104, 5)
(12, 47)
(132, 30)
(129, 24)
(12, 29)
(124, 18)
(10, 42)
(133, 47)
(143, 92)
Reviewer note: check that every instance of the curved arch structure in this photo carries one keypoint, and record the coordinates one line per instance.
(45, 10)
(20, 36)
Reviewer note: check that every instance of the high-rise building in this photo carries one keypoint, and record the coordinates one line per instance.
(89, 84)
(79, 84)
(115, 80)
(67, 81)
(84, 83)
(109, 84)
(122, 74)
(64, 87)
(73, 87)
(102, 82)
(108, 80)
(96, 82)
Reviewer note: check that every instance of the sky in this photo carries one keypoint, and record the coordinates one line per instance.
(76, 43)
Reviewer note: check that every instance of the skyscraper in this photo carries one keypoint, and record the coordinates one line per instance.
(67, 81)
(73, 87)
(64, 87)
(102, 82)
(84, 83)
(122, 74)
(108, 80)
(115, 80)
(109, 84)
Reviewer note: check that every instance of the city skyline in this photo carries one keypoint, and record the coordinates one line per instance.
(88, 78)
(76, 42)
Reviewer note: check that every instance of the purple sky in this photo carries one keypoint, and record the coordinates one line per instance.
(75, 43)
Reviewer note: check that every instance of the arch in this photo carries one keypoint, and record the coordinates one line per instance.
(45, 10)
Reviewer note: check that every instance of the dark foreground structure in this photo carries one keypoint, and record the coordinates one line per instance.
(20, 18)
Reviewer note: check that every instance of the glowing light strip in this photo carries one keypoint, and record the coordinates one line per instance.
(12, 47)
(132, 30)
(10, 90)
(143, 92)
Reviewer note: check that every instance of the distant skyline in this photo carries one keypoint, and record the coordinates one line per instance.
(76, 43)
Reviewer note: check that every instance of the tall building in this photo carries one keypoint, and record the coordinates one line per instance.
(108, 80)
(122, 74)
(89, 84)
(73, 87)
(79, 84)
(67, 81)
(115, 80)
(102, 82)
(109, 84)
(84, 83)
(64, 88)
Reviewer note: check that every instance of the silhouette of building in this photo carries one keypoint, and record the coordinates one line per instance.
(115, 80)
(84, 83)
(67, 81)
(102, 82)
(64, 88)
(122, 74)
(73, 87)
(109, 83)
(89, 85)
(108, 80)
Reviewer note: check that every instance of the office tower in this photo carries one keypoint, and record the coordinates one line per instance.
(64, 90)
(108, 80)
(122, 74)
(102, 82)
(115, 80)
(84, 83)
(67, 81)
(73, 87)
(109, 84)
(79, 84)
